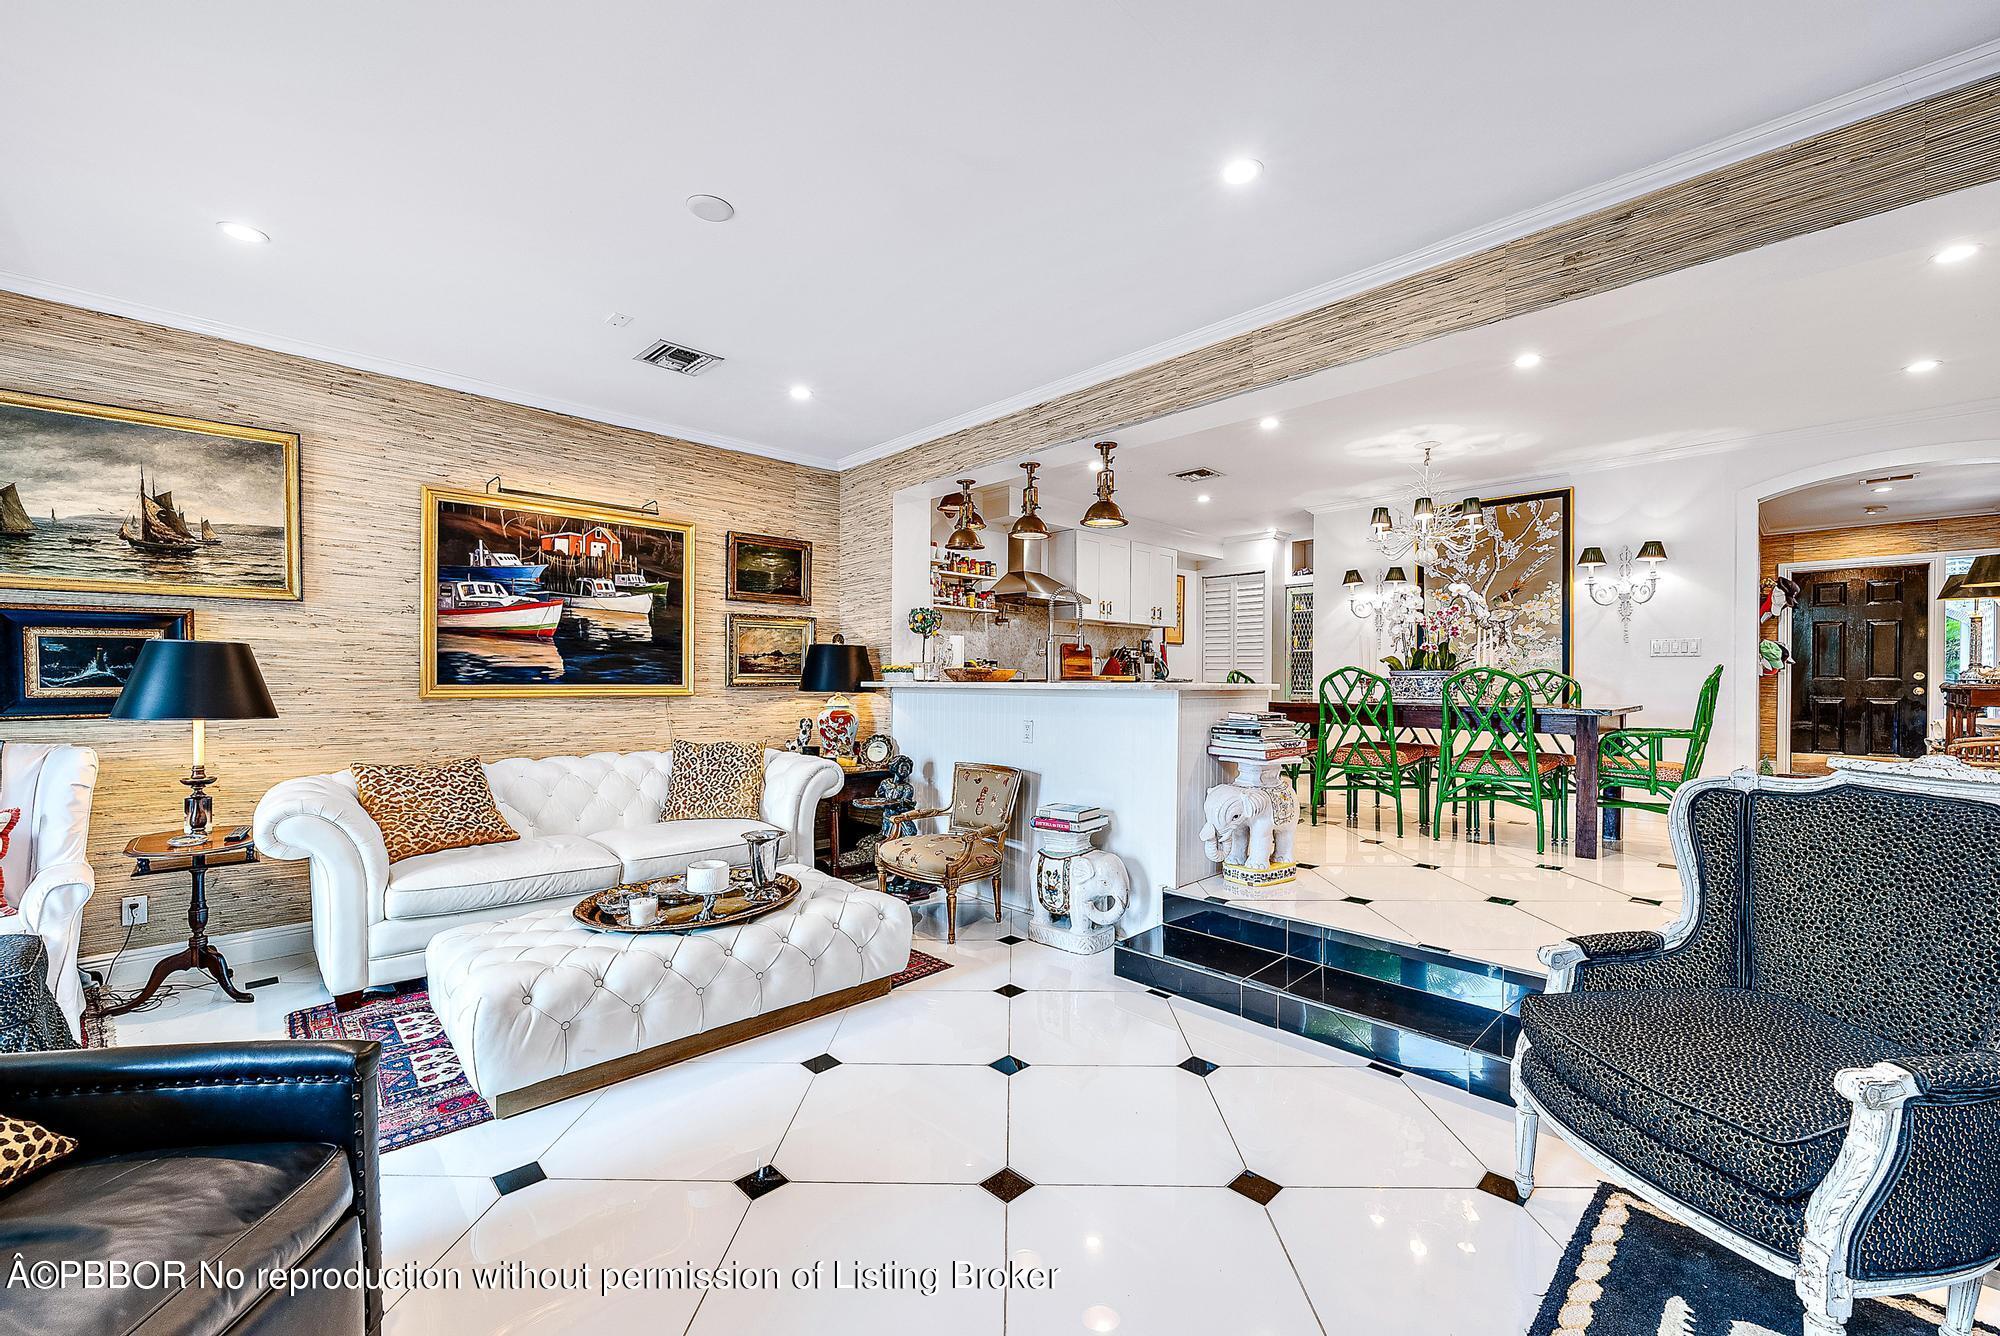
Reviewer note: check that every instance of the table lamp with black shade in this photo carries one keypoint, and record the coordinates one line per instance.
(833, 669)
(196, 680)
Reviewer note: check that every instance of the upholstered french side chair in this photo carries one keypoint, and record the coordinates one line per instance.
(1805, 1065)
(973, 846)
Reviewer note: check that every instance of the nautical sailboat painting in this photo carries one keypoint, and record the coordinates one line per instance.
(113, 499)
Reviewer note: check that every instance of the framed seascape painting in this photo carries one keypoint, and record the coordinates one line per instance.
(767, 651)
(116, 500)
(539, 596)
(1520, 569)
(764, 569)
(71, 663)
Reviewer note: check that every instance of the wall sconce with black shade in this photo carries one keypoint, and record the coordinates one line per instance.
(1393, 604)
(1627, 591)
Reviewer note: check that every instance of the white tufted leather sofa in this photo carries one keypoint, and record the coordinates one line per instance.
(539, 996)
(586, 823)
(45, 868)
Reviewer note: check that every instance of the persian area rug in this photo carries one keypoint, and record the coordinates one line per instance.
(1629, 1270)
(424, 1092)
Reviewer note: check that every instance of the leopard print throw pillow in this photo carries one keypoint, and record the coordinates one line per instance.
(27, 1148)
(10, 817)
(423, 809)
(715, 779)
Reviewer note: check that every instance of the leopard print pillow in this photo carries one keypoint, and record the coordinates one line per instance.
(423, 809)
(10, 817)
(715, 779)
(27, 1148)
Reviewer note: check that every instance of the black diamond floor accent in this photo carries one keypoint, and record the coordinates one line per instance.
(1642, 900)
(1503, 1188)
(1199, 1066)
(1006, 1185)
(1217, 899)
(1384, 1068)
(1008, 1065)
(514, 1180)
(825, 1062)
(767, 1179)
(1429, 867)
(1159, 992)
(1357, 900)
(1668, 866)
(262, 983)
(1500, 900)
(1011, 940)
(1308, 866)
(1010, 990)
(1550, 867)
(1255, 1186)
(1369, 841)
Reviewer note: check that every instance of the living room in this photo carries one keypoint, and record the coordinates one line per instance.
(557, 770)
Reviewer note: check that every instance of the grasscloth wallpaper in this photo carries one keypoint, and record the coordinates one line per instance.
(343, 664)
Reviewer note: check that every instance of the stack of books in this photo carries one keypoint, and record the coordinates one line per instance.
(1076, 818)
(1256, 735)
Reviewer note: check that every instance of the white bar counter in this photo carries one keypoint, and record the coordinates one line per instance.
(1137, 749)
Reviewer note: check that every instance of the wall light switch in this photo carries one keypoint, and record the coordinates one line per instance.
(1676, 647)
(1027, 730)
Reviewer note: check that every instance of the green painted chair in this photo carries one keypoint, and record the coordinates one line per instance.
(1238, 677)
(1357, 740)
(1549, 687)
(1636, 758)
(1488, 752)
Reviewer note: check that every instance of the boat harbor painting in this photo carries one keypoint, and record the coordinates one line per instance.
(767, 651)
(533, 596)
(72, 662)
(116, 500)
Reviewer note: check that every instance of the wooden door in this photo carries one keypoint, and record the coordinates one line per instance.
(1859, 638)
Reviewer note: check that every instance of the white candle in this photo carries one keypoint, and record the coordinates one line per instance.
(643, 910)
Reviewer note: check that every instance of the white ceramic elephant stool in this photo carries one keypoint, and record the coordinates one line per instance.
(1251, 829)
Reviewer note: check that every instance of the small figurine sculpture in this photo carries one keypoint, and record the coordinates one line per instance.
(894, 796)
(803, 742)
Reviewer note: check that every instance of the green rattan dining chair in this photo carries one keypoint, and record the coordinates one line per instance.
(1488, 752)
(1238, 677)
(1549, 687)
(1357, 741)
(1636, 758)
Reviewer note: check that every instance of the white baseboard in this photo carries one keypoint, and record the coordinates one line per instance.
(238, 948)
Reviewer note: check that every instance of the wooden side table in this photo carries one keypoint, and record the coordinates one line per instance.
(1962, 703)
(151, 855)
(859, 782)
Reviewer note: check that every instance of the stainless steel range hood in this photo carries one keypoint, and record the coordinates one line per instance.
(1026, 581)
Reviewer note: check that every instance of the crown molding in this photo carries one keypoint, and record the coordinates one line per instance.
(387, 366)
(1938, 76)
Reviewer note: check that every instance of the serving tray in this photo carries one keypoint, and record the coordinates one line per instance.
(682, 912)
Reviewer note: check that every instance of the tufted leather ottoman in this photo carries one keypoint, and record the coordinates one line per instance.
(540, 1008)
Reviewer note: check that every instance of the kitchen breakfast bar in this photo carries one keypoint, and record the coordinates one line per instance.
(1138, 749)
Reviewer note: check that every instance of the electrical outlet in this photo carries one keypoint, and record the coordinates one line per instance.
(132, 911)
(1027, 730)
(1676, 647)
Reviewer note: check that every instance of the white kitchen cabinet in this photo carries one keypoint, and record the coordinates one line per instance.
(1120, 581)
(1152, 599)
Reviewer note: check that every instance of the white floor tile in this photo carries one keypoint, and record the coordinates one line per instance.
(1586, 918)
(937, 1026)
(907, 1227)
(976, 966)
(876, 1123)
(1338, 1127)
(794, 1043)
(1113, 1029)
(1559, 1210)
(1232, 1041)
(710, 1121)
(566, 1224)
(1535, 885)
(1136, 1258)
(1487, 1129)
(1045, 967)
(1418, 1263)
(1469, 927)
(1372, 882)
(1339, 914)
(491, 1147)
(423, 1217)
(1118, 1125)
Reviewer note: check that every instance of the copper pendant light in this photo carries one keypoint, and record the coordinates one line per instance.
(962, 500)
(1029, 526)
(964, 538)
(1104, 512)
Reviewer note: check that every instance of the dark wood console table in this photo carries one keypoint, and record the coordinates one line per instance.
(1962, 703)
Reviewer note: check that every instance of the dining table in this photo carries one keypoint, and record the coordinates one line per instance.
(1583, 724)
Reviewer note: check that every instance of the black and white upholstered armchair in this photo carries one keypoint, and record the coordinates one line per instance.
(1805, 1066)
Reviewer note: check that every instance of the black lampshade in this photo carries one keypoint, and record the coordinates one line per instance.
(1653, 550)
(195, 679)
(834, 669)
(1592, 557)
(1352, 579)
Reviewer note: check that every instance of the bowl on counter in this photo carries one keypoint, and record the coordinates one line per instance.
(982, 674)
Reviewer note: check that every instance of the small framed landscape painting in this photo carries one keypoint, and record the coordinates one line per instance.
(538, 596)
(71, 663)
(767, 651)
(116, 500)
(764, 569)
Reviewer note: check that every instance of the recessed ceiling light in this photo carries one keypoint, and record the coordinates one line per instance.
(1527, 361)
(1242, 171)
(1202, 500)
(1957, 251)
(1268, 424)
(711, 208)
(1873, 510)
(1883, 487)
(1923, 366)
(801, 392)
(243, 232)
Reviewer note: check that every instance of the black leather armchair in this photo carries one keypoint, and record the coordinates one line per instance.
(208, 1167)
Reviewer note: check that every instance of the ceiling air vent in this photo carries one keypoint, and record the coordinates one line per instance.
(1198, 475)
(679, 357)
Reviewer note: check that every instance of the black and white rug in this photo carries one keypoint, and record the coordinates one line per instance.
(1631, 1271)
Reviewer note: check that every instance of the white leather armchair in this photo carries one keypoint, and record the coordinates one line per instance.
(586, 823)
(46, 871)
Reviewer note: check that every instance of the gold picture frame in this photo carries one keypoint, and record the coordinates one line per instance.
(510, 664)
(780, 668)
(1177, 633)
(97, 545)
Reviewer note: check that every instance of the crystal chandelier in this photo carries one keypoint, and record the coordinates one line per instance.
(1416, 526)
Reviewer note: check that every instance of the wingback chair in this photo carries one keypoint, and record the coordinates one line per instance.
(47, 878)
(973, 846)
(1805, 1065)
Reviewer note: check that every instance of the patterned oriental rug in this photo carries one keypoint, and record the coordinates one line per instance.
(1631, 1271)
(423, 1088)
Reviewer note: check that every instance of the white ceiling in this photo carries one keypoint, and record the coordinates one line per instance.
(1939, 491)
(1805, 333)
(941, 207)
